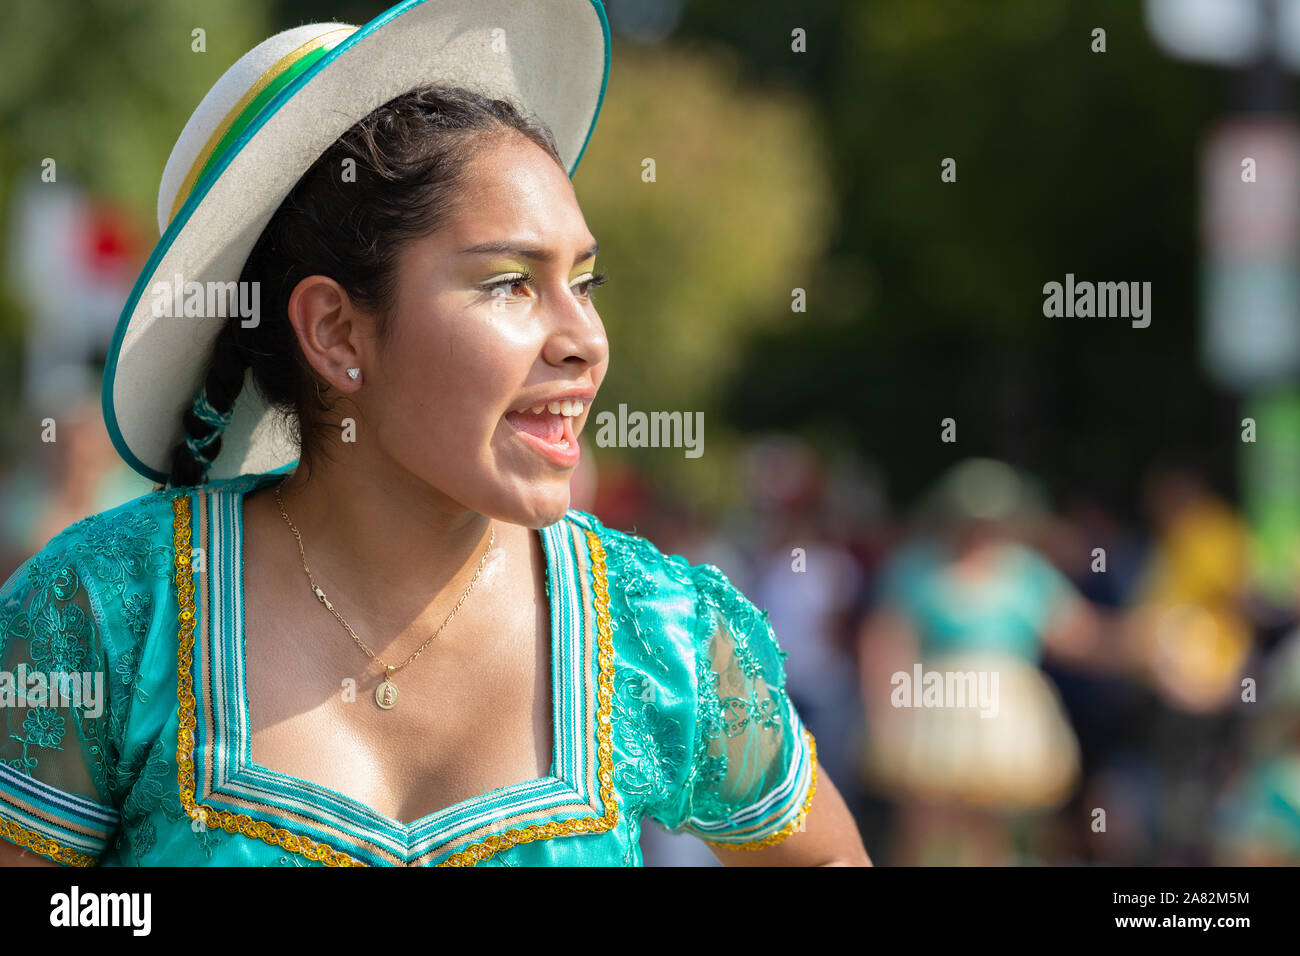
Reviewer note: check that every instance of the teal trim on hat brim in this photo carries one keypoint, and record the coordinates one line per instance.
(604, 83)
(214, 172)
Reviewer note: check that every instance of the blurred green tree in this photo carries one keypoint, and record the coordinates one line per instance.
(740, 209)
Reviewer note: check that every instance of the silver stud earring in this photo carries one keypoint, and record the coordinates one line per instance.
(354, 373)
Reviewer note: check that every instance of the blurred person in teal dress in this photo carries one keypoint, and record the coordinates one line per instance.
(967, 596)
(359, 622)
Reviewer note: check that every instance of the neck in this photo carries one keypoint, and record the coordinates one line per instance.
(385, 547)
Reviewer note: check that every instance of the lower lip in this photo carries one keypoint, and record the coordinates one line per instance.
(556, 454)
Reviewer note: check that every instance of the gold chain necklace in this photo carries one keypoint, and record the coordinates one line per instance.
(385, 693)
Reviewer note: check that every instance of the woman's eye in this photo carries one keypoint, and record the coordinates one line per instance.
(509, 282)
(589, 283)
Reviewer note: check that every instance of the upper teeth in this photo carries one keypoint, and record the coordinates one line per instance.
(567, 407)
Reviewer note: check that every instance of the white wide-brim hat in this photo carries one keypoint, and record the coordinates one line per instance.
(260, 128)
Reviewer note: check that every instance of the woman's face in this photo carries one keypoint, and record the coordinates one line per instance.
(493, 313)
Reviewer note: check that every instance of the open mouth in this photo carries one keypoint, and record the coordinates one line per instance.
(551, 425)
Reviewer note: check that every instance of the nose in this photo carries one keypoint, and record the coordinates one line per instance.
(577, 335)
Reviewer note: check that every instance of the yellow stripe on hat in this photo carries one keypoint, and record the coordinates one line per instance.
(277, 71)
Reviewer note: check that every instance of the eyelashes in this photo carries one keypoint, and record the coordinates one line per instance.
(600, 278)
(526, 277)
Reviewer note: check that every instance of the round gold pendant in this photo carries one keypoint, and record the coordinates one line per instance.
(386, 694)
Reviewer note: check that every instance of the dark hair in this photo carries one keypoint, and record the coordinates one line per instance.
(411, 156)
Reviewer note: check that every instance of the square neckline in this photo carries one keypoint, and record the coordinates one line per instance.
(247, 740)
(230, 765)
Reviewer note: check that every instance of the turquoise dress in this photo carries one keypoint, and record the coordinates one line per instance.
(668, 689)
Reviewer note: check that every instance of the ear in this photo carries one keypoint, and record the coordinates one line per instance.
(331, 331)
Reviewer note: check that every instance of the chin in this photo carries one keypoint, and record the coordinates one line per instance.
(539, 510)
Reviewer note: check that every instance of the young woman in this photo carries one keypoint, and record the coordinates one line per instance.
(360, 623)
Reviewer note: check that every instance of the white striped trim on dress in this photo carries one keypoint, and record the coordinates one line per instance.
(66, 818)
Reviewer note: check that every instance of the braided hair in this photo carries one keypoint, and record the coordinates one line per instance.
(349, 221)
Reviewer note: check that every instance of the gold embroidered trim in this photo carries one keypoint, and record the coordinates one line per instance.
(794, 825)
(485, 849)
(31, 840)
(210, 816)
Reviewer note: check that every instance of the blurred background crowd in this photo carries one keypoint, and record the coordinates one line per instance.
(1143, 671)
(906, 462)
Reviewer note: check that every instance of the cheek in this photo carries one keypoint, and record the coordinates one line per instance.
(448, 387)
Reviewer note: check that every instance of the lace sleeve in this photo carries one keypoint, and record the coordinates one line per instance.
(753, 772)
(53, 714)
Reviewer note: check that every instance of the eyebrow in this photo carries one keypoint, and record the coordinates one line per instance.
(526, 252)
